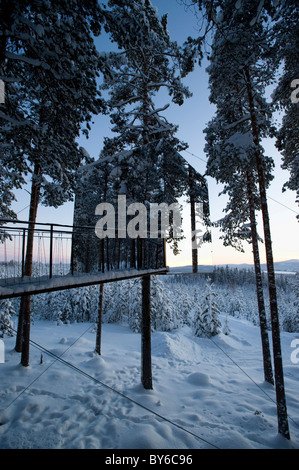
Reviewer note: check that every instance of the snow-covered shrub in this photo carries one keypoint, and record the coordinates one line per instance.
(163, 316)
(6, 323)
(135, 306)
(117, 300)
(290, 310)
(225, 327)
(206, 320)
(184, 304)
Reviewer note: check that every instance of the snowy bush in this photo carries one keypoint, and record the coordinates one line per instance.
(225, 327)
(206, 320)
(6, 323)
(135, 306)
(164, 317)
(290, 310)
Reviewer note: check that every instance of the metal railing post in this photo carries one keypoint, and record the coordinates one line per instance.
(51, 251)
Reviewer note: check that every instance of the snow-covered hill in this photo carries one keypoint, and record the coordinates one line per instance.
(212, 389)
(291, 266)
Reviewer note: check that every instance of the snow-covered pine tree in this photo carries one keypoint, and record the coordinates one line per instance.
(50, 48)
(225, 328)
(230, 148)
(163, 314)
(291, 314)
(135, 307)
(296, 305)
(206, 320)
(239, 77)
(49, 65)
(148, 61)
(285, 97)
(183, 304)
(6, 323)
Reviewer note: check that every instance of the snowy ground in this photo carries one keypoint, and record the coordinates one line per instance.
(196, 385)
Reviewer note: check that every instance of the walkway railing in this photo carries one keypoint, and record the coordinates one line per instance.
(57, 253)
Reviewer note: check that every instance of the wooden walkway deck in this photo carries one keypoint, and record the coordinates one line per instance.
(17, 287)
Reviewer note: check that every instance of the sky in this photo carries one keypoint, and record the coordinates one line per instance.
(192, 118)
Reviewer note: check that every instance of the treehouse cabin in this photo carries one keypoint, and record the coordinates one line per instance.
(114, 226)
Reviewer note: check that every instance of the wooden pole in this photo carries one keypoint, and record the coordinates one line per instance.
(146, 360)
(100, 317)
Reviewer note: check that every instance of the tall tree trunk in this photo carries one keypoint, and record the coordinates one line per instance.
(23, 334)
(268, 373)
(100, 319)
(283, 426)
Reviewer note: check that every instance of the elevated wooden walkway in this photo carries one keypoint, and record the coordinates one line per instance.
(50, 275)
(17, 287)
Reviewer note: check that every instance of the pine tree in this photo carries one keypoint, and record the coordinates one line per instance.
(230, 146)
(295, 309)
(285, 96)
(135, 307)
(50, 48)
(226, 329)
(148, 62)
(162, 313)
(206, 321)
(6, 323)
(239, 77)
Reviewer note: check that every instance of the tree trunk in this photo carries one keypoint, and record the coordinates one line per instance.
(283, 426)
(268, 373)
(23, 334)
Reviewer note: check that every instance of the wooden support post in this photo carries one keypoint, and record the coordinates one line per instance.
(99, 324)
(146, 375)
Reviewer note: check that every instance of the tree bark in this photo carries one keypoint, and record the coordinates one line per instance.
(23, 334)
(268, 373)
(100, 319)
(282, 416)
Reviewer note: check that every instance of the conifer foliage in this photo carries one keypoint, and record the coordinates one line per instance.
(206, 320)
(6, 314)
(50, 64)
(148, 61)
(286, 95)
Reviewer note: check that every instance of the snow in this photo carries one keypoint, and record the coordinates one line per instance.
(212, 388)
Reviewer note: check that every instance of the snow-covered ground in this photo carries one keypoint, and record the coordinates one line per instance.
(212, 388)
